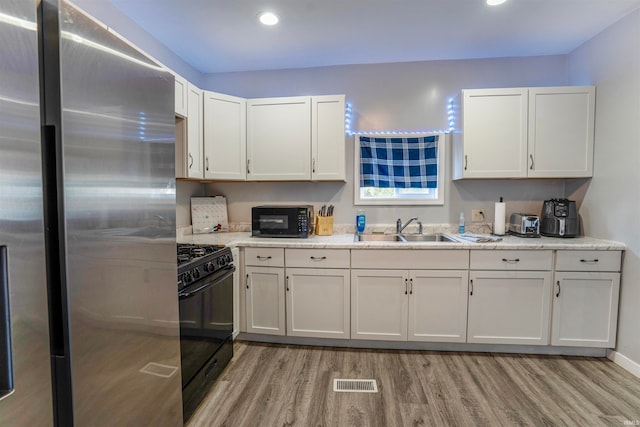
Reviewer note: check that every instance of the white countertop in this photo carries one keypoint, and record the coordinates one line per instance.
(346, 241)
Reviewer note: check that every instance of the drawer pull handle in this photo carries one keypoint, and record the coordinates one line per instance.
(264, 258)
(405, 286)
(558, 293)
(287, 283)
(465, 162)
(191, 162)
(531, 157)
(589, 261)
(246, 281)
(471, 293)
(511, 261)
(411, 286)
(318, 258)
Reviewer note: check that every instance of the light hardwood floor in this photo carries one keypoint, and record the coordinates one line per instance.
(284, 385)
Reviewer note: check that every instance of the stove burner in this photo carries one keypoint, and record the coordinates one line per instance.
(195, 262)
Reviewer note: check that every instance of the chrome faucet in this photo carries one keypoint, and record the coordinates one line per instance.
(400, 227)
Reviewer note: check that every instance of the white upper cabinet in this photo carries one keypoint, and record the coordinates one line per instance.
(524, 133)
(194, 132)
(493, 143)
(327, 138)
(279, 139)
(561, 122)
(296, 138)
(181, 96)
(225, 152)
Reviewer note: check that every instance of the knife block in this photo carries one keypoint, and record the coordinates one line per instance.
(324, 225)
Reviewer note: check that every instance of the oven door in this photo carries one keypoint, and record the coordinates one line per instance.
(206, 320)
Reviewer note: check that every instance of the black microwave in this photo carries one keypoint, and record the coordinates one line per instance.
(281, 221)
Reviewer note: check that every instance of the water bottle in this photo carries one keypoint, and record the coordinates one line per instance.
(361, 221)
(461, 226)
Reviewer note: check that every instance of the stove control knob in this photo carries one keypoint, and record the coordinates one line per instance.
(221, 261)
(229, 259)
(208, 267)
(187, 277)
(195, 273)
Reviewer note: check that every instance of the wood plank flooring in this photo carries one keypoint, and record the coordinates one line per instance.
(284, 385)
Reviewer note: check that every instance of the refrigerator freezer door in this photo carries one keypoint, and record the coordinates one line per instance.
(118, 146)
(29, 401)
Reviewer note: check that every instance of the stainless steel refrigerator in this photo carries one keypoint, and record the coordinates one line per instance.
(89, 332)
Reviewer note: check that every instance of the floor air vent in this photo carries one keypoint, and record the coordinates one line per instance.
(355, 386)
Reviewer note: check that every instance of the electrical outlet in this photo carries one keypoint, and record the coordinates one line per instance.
(478, 215)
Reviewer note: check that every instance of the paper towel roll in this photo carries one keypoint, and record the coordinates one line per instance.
(499, 221)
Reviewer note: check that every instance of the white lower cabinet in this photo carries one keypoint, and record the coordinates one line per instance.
(509, 307)
(379, 304)
(585, 303)
(438, 305)
(265, 300)
(317, 302)
(414, 305)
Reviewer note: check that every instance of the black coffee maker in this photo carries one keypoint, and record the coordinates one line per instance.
(559, 218)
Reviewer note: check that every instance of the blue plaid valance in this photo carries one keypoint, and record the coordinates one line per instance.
(399, 162)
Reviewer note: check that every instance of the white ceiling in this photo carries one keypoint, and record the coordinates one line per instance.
(224, 35)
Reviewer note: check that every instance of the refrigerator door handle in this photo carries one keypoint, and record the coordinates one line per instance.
(6, 365)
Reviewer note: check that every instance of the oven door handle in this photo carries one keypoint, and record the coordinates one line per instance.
(211, 281)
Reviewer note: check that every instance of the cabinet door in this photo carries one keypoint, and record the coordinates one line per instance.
(379, 304)
(327, 138)
(194, 132)
(585, 309)
(225, 142)
(181, 86)
(561, 121)
(494, 133)
(438, 305)
(235, 252)
(279, 139)
(265, 300)
(318, 302)
(509, 307)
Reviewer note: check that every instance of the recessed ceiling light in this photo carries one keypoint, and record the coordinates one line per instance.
(495, 2)
(268, 18)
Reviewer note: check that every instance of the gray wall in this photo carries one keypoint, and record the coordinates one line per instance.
(398, 96)
(611, 204)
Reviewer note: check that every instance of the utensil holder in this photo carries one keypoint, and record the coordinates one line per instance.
(324, 225)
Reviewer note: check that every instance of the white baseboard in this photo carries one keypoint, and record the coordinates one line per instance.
(625, 362)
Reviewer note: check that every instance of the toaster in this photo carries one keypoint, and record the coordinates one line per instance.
(524, 225)
(559, 218)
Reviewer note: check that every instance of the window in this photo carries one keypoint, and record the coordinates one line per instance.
(399, 169)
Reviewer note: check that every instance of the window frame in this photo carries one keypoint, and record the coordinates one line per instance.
(438, 201)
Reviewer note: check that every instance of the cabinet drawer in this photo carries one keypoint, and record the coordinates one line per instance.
(456, 259)
(588, 260)
(324, 258)
(510, 260)
(266, 257)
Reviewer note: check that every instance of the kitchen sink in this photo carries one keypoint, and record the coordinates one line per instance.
(378, 238)
(436, 237)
